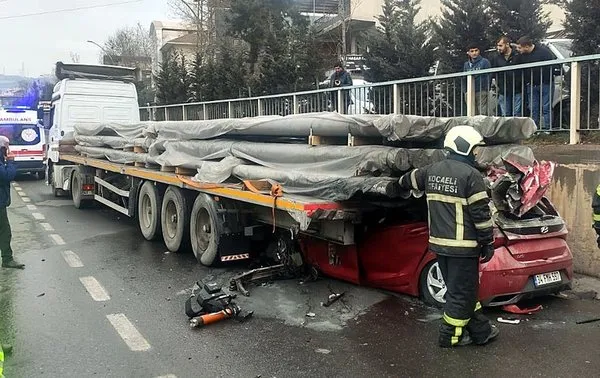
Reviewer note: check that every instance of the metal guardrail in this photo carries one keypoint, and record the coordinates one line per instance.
(560, 95)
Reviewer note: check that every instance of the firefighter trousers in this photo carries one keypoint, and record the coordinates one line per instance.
(462, 310)
(5, 236)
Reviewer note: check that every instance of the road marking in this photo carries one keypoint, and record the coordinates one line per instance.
(57, 239)
(96, 290)
(72, 259)
(32, 207)
(21, 193)
(132, 337)
(25, 199)
(38, 216)
(47, 226)
(168, 376)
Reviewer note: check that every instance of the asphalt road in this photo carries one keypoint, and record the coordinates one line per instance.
(97, 300)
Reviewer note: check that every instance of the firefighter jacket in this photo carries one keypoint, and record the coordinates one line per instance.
(596, 208)
(459, 213)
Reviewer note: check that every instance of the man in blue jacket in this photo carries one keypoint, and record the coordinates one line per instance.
(482, 82)
(8, 171)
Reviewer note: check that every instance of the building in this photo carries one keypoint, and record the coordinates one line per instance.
(169, 36)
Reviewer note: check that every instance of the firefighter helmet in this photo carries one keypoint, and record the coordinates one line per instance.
(462, 139)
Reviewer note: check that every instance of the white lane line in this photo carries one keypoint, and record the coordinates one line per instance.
(132, 337)
(57, 239)
(25, 199)
(32, 207)
(93, 287)
(47, 226)
(22, 194)
(168, 376)
(72, 259)
(38, 216)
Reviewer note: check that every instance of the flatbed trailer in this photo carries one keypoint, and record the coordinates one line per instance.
(219, 221)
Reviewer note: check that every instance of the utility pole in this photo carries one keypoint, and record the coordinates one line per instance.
(344, 13)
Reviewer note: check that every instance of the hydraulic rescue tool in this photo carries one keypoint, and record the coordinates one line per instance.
(214, 306)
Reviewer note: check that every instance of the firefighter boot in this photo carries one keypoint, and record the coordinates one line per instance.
(12, 264)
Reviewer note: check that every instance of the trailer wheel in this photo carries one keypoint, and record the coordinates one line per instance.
(149, 205)
(205, 229)
(175, 219)
(432, 285)
(76, 191)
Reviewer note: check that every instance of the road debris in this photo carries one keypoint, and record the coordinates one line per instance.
(332, 299)
(311, 314)
(40, 295)
(508, 320)
(593, 320)
(323, 351)
(514, 309)
(215, 306)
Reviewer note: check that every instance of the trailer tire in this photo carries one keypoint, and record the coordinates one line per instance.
(429, 282)
(205, 229)
(149, 207)
(76, 191)
(175, 219)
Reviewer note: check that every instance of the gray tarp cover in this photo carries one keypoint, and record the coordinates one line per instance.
(397, 128)
(327, 172)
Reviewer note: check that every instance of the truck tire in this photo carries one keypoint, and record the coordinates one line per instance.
(431, 285)
(76, 191)
(149, 205)
(175, 219)
(205, 229)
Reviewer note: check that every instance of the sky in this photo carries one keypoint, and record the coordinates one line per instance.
(38, 42)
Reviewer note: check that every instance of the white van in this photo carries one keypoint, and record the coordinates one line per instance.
(27, 138)
(87, 94)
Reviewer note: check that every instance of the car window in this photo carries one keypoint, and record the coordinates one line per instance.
(564, 48)
(21, 135)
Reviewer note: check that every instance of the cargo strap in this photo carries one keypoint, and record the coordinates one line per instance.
(269, 187)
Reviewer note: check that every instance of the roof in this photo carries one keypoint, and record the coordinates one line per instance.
(190, 39)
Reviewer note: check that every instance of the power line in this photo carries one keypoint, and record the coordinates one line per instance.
(69, 9)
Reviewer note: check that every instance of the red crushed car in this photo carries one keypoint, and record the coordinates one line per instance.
(532, 258)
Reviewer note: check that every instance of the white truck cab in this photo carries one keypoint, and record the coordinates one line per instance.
(87, 94)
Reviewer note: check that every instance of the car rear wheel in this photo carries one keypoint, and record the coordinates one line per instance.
(432, 285)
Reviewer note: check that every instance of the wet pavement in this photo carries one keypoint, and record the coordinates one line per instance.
(59, 330)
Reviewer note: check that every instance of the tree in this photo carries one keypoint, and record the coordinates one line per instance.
(131, 41)
(280, 47)
(518, 18)
(462, 23)
(581, 24)
(173, 81)
(401, 48)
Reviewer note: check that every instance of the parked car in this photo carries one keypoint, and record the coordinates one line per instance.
(531, 259)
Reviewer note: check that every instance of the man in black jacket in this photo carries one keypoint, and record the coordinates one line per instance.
(509, 83)
(538, 80)
(340, 78)
(460, 231)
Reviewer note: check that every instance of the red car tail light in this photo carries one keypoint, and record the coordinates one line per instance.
(87, 187)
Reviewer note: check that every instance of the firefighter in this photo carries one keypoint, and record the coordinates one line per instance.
(460, 232)
(596, 209)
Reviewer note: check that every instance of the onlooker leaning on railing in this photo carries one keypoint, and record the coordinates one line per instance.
(482, 82)
(538, 80)
(510, 83)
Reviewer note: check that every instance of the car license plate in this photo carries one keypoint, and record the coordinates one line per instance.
(88, 192)
(546, 278)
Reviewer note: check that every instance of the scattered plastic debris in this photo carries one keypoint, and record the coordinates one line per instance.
(41, 295)
(311, 314)
(508, 320)
(332, 299)
(514, 309)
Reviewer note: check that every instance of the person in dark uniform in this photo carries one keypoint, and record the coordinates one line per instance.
(460, 232)
(8, 172)
(596, 209)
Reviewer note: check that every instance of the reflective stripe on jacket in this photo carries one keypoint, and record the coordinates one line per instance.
(459, 214)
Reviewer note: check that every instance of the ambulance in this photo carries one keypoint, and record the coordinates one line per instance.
(27, 138)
